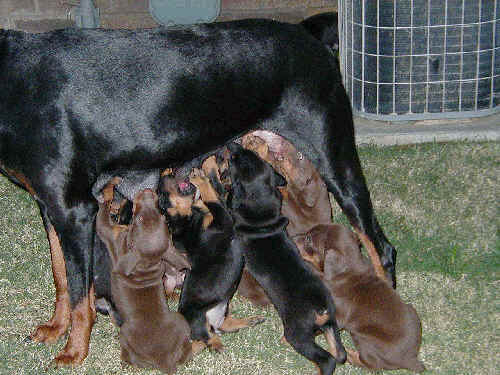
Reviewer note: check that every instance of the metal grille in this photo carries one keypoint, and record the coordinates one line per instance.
(421, 59)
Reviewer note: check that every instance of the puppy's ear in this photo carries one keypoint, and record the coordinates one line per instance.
(279, 179)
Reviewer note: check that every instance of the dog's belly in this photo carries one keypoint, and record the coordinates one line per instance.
(216, 315)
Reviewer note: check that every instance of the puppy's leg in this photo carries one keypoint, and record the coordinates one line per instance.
(303, 342)
(374, 257)
(207, 192)
(232, 324)
(332, 336)
(353, 358)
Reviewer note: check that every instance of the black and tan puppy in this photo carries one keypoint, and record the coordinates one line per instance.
(203, 228)
(151, 335)
(300, 297)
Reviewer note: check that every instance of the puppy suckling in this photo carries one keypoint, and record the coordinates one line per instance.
(300, 297)
(203, 228)
(386, 331)
(151, 335)
(305, 201)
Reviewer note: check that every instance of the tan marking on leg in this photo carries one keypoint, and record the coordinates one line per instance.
(208, 218)
(215, 343)
(167, 172)
(51, 331)
(232, 324)
(209, 165)
(202, 182)
(372, 252)
(83, 317)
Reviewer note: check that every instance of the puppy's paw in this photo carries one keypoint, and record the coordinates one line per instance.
(198, 178)
(215, 343)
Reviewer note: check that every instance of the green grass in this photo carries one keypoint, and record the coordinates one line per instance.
(437, 203)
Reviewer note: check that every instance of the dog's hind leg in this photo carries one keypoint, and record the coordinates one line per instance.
(57, 326)
(305, 345)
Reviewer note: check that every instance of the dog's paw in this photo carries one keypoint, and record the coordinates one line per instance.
(215, 343)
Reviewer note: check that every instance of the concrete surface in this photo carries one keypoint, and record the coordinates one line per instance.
(408, 132)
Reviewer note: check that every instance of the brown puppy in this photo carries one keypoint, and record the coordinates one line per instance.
(386, 331)
(151, 335)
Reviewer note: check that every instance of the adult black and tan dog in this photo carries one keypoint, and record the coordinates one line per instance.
(303, 302)
(76, 104)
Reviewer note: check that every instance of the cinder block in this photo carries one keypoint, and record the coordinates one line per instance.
(40, 26)
(284, 5)
(127, 21)
(17, 7)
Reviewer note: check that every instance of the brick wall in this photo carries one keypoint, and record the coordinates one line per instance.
(43, 15)
(282, 10)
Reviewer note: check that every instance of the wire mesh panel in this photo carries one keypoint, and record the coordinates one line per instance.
(419, 59)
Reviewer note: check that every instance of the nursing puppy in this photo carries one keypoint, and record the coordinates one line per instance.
(203, 228)
(151, 335)
(305, 201)
(386, 332)
(301, 299)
